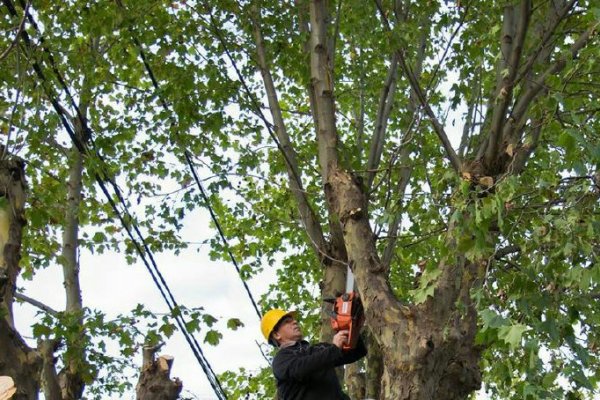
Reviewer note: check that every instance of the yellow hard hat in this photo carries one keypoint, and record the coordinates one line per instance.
(271, 318)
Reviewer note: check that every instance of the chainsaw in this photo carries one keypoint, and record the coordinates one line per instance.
(347, 313)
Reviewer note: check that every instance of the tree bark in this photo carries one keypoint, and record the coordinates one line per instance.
(17, 360)
(427, 349)
(70, 377)
(155, 382)
(355, 381)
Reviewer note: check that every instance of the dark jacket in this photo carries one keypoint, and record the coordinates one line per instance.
(306, 372)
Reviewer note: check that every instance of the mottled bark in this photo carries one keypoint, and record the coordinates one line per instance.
(427, 349)
(17, 360)
(70, 377)
(374, 368)
(355, 381)
(49, 377)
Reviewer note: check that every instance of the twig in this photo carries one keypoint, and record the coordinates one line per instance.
(19, 30)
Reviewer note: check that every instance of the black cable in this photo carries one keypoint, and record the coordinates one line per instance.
(255, 104)
(189, 162)
(84, 150)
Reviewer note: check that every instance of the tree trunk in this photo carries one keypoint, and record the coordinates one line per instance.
(154, 382)
(374, 368)
(17, 360)
(355, 381)
(428, 349)
(70, 378)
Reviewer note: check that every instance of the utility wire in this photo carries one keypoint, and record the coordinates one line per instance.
(143, 249)
(188, 158)
(255, 104)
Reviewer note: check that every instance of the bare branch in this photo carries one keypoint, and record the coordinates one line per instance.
(36, 303)
(322, 82)
(386, 100)
(470, 119)
(405, 174)
(415, 86)
(336, 34)
(503, 252)
(523, 152)
(6, 52)
(553, 19)
(50, 382)
(437, 126)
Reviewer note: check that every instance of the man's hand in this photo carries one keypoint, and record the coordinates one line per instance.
(340, 338)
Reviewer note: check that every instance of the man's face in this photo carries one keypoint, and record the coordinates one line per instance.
(288, 330)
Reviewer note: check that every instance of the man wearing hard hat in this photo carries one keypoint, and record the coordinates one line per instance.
(304, 371)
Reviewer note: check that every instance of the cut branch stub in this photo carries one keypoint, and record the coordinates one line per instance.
(155, 382)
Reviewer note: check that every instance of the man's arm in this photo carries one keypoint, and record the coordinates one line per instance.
(289, 364)
(353, 355)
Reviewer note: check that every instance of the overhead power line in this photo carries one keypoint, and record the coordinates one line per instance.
(102, 177)
(188, 159)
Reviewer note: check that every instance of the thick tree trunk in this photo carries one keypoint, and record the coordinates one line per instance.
(428, 350)
(17, 360)
(155, 382)
(431, 367)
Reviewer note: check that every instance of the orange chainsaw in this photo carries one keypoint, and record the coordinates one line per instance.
(347, 313)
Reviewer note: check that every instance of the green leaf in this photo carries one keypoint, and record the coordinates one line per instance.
(234, 324)
(213, 337)
(192, 325)
(492, 320)
(209, 320)
(512, 334)
(167, 329)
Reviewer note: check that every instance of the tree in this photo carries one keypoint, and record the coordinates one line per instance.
(483, 201)
(69, 356)
(445, 152)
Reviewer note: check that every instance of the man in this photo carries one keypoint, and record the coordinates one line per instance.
(304, 371)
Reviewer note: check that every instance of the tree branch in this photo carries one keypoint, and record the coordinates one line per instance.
(36, 303)
(50, 382)
(553, 21)
(415, 86)
(437, 126)
(6, 52)
(336, 33)
(405, 174)
(513, 38)
(503, 252)
(470, 121)
(308, 216)
(523, 152)
(386, 99)
(322, 81)
(536, 86)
